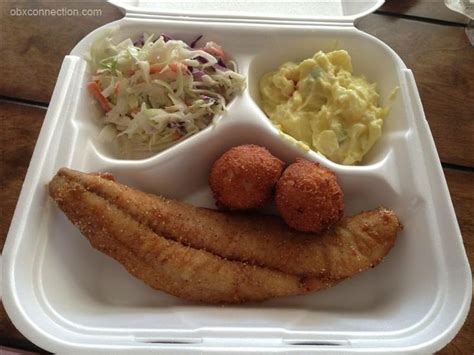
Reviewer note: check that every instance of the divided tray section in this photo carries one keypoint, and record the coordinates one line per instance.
(101, 287)
(256, 51)
(97, 296)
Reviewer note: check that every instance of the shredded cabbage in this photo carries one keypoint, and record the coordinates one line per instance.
(157, 92)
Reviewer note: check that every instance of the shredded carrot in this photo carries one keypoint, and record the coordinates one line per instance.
(156, 68)
(95, 90)
(177, 136)
(174, 67)
(117, 88)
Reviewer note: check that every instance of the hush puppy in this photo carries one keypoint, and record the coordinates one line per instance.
(244, 177)
(308, 197)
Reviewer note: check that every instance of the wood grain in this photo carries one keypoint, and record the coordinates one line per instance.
(442, 61)
(429, 9)
(461, 188)
(33, 47)
(20, 126)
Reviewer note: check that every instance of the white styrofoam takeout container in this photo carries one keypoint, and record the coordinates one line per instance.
(66, 297)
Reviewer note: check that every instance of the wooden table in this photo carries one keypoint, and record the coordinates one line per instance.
(429, 38)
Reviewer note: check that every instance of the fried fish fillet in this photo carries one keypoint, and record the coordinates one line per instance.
(210, 256)
(356, 244)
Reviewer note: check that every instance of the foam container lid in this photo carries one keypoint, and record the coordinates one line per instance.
(66, 297)
(263, 11)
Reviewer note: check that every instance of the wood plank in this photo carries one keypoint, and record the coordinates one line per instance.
(462, 194)
(430, 9)
(20, 129)
(33, 47)
(11, 337)
(442, 61)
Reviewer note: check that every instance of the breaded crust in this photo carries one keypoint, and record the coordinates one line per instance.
(308, 197)
(170, 266)
(244, 177)
(210, 256)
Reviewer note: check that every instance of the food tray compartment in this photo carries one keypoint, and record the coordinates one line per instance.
(400, 304)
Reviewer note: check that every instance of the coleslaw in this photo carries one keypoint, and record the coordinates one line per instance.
(157, 91)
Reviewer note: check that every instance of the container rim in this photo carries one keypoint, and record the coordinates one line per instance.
(264, 11)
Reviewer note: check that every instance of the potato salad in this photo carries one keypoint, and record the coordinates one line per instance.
(320, 103)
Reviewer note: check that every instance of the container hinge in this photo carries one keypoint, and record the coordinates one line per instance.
(237, 21)
(244, 342)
